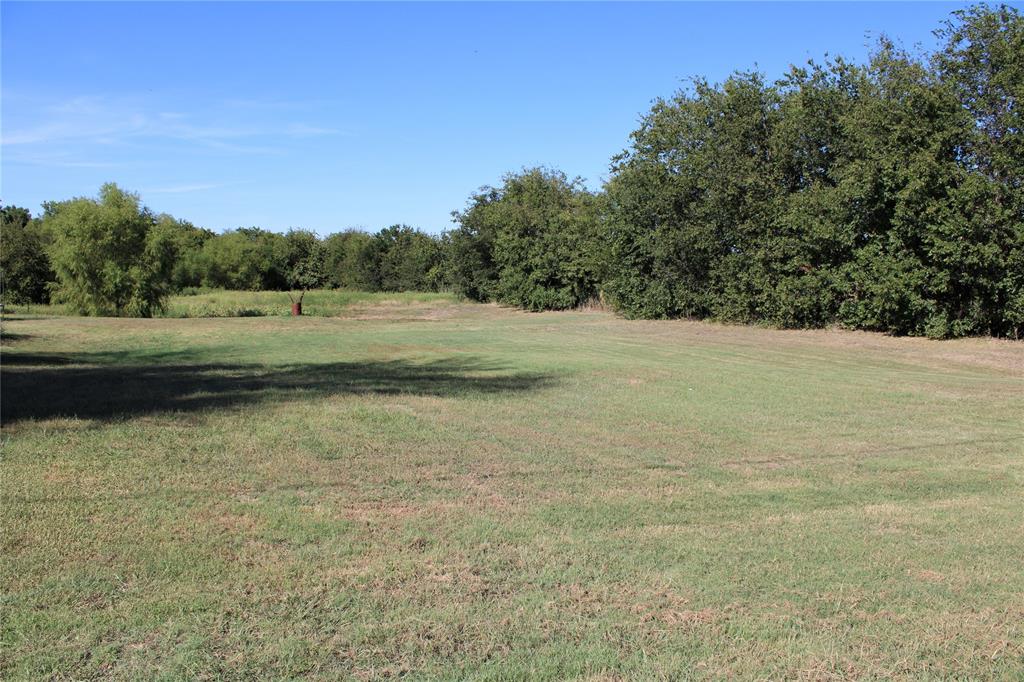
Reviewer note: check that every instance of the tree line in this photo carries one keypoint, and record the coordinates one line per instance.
(113, 256)
(883, 196)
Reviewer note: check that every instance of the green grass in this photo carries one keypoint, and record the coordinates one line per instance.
(445, 490)
(221, 303)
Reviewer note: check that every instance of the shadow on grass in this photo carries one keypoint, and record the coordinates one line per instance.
(12, 336)
(43, 386)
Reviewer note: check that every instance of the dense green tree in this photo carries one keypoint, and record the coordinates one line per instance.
(689, 200)
(247, 258)
(306, 265)
(408, 259)
(189, 240)
(982, 60)
(937, 254)
(342, 253)
(470, 256)
(25, 271)
(399, 258)
(883, 197)
(305, 260)
(110, 255)
(535, 239)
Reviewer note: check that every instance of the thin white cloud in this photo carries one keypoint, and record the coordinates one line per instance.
(180, 189)
(38, 134)
(96, 120)
(240, 148)
(257, 104)
(303, 130)
(57, 162)
(78, 106)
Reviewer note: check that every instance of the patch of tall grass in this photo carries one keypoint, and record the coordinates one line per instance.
(224, 303)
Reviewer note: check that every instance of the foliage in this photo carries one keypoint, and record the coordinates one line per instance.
(470, 258)
(533, 242)
(110, 255)
(189, 241)
(305, 261)
(342, 253)
(983, 62)
(884, 197)
(399, 258)
(247, 258)
(25, 270)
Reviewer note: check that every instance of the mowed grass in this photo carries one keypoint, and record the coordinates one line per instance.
(468, 492)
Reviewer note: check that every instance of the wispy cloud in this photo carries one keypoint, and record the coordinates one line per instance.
(303, 130)
(269, 104)
(51, 161)
(97, 120)
(181, 189)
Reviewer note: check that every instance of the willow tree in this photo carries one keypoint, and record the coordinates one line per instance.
(110, 255)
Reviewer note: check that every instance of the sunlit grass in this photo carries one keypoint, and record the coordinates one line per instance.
(222, 303)
(446, 490)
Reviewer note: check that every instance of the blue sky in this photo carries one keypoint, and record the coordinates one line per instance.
(333, 115)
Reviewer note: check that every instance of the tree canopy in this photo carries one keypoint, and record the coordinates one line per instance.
(885, 197)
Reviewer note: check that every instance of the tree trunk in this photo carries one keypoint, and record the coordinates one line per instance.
(297, 304)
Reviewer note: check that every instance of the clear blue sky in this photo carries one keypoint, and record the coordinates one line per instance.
(327, 116)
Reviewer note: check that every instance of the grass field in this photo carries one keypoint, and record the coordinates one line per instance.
(221, 303)
(453, 491)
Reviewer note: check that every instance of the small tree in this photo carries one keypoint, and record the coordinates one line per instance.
(306, 273)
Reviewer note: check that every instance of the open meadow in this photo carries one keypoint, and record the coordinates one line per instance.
(446, 490)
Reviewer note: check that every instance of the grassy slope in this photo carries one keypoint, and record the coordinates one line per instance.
(460, 491)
